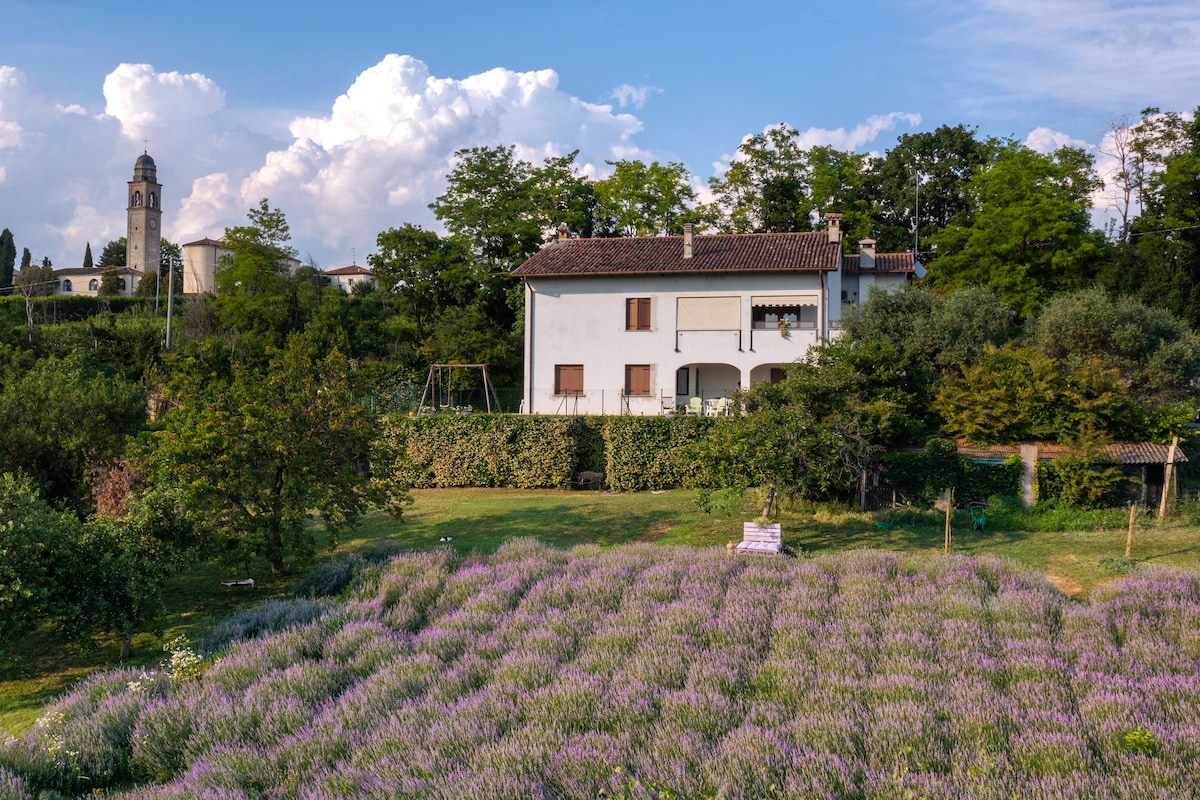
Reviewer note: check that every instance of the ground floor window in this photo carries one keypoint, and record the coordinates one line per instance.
(568, 379)
(637, 380)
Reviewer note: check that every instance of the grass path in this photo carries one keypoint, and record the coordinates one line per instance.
(39, 667)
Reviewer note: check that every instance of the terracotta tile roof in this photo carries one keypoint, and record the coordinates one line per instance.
(884, 262)
(750, 252)
(1117, 452)
(353, 269)
(206, 241)
(96, 272)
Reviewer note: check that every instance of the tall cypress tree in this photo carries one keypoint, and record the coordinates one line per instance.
(26, 258)
(8, 259)
(87, 256)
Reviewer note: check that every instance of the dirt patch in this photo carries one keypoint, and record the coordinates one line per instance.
(1065, 583)
(654, 531)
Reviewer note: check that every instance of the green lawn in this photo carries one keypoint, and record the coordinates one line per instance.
(39, 667)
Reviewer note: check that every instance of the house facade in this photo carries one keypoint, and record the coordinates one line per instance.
(346, 277)
(655, 325)
(86, 282)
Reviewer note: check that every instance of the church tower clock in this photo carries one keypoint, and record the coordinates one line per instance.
(144, 238)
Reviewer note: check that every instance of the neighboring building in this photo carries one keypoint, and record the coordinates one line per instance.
(86, 282)
(347, 277)
(200, 261)
(654, 324)
(200, 265)
(144, 236)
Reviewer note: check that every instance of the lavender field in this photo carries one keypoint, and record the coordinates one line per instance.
(655, 672)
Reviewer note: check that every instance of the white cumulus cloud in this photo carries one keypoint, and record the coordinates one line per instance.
(144, 100)
(636, 96)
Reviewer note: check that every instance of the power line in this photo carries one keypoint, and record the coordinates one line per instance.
(1165, 230)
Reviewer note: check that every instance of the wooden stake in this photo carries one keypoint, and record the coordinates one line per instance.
(1129, 536)
(949, 507)
(1168, 474)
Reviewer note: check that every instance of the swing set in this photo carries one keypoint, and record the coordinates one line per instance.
(437, 387)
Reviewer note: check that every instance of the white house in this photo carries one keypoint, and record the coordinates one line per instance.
(346, 277)
(657, 324)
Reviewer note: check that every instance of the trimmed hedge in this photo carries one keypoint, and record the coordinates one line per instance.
(63, 308)
(537, 452)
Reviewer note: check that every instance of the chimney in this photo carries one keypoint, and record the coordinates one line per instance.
(866, 254)
(834, 221)
(564, 232)
(687, 240)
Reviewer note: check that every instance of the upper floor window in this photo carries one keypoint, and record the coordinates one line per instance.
(637, 314)
(568, 379)
(93, 285)
(66, 286)
(796, 312)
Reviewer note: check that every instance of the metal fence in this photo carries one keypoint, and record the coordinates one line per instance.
(407, 399)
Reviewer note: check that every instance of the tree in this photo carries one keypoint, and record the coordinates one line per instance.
(32, 535)
(26, 259)
(109, 283)
(1028, 234)
(113, 254)
(767, 188)
(645, 199)
(87, 256)
(62, 416)
(503, 208)
(8, 259)
(254, 293)
(423, 270)
(170, 257)
(254, 456)
(943, 162)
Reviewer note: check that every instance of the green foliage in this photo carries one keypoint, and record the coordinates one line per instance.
(113, 254)
(8, 260)
(109, 285)
(63, 415)
(254, 455)
(644, 199)
(1079, 481)
(1141, 741)
(653, 452)
(32, 538)
(919, 477)
(423, 271)
(944, 161)
(1028, 233)
(254, 292)
(480, 450)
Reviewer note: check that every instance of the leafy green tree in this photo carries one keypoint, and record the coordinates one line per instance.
(466, 335)
(8, 259)
(838, 184)
(61, 416)
(1166, 236)
(944, 161)
(254, 456)
(254, 292)
(170, 256)
(767, 187)
(422, 271)
(503, 208)
(87, 256)
(109, 283)
(641, 199)
(801, 437)
(1028, 234)
(1016, 393)
(32, 537)
(113, 254)
(1155, 353)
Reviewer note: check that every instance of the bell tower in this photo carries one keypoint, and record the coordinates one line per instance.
(144, 237)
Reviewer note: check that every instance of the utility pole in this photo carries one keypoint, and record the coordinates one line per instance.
(170, 298)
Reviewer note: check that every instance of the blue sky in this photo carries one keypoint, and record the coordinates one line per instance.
(347, 115)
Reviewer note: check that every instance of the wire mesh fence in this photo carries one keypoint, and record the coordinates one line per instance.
(408, 399)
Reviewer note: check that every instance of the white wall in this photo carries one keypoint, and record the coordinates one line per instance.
(582, 321)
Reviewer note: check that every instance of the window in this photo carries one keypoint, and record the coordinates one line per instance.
(66, 286)
(93, 285)
(637, 380)
(568, 379)
(637, 314)
(120, 284)
(681, 380)
(797, 311)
